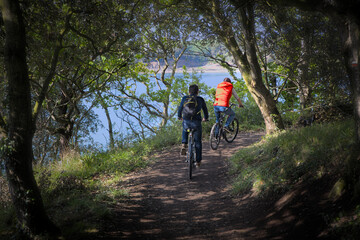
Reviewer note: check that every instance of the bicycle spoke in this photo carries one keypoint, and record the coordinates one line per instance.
(234, 129)
(215, 136)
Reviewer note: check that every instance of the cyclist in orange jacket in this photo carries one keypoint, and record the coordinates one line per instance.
(224, 91)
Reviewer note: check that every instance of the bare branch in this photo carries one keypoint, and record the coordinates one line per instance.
(207, 54)
(149, 107)
(137, 119)
(280, 90)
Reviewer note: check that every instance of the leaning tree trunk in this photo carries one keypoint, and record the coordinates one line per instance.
(263, 99)
(250, 69)
(25, 194)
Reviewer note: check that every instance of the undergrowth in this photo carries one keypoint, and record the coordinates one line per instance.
(280, 161)
(79, 190)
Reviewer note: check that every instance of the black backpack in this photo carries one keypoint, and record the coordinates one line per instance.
(189, 107)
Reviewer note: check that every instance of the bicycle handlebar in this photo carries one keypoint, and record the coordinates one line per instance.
(234, 104)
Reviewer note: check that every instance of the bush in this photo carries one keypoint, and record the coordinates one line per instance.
(167, 136)
(283, 159)
(250, 117)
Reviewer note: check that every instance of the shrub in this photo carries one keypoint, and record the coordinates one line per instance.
(283, 159)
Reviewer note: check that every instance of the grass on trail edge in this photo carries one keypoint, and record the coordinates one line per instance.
(280, 161)
(80, 190)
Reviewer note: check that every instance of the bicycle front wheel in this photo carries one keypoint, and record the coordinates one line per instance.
(191, 156)
(215, 136)
(234, 129)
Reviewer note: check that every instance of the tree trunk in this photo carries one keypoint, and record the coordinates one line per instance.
(63, 117)
(110, 130)
(264, 100)
(351, 39)
(65, 135)
(246, 61)
(250, 69)
(303, 80)
(25, 194)
(108, 117)
(348, 11)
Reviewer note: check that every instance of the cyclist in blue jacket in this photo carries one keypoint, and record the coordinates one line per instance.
(192, 120)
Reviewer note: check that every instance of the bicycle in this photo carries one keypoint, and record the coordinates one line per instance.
(217, 131)
(191, 153)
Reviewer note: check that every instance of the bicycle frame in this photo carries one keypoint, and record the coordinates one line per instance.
(191, 154)
(218, 132)
(221, 122)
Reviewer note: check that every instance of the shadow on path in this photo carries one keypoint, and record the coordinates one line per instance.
(165, 204)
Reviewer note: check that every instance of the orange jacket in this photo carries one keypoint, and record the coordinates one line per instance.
(223, 94)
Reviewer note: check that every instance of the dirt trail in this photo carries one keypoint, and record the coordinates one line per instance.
(164, 204)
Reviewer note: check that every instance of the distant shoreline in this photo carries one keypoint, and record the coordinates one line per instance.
(208, 68)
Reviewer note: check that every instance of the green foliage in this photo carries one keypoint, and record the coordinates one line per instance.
(290, 118)
(308, 61)
(250, 117)
(78, 189)
(7, 212)
(6, 147)
(117, 161)
(98, 48)
(83, 186)
(281, 160)
(166, 137)
(8, 221)
(346, 226)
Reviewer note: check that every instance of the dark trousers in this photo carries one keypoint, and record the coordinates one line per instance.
(193, 124)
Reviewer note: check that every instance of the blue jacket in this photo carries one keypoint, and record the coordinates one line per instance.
(200, 105)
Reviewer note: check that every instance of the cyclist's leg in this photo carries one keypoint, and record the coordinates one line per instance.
(185, 134)
(198, 143)
(217, 117)
(184, 141)
(217, 110)
(231, 117)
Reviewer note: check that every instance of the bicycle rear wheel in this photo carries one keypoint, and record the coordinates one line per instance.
(234, 129)
(191, 157)
(215, 136)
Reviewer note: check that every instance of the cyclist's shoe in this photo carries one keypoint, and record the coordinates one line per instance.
(227, 129)
(183, 149)
(198, 164)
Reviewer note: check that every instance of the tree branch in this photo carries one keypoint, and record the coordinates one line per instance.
(137, 119)
(150, 108)
(51, 74)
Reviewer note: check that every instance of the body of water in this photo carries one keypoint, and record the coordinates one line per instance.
(102, 137)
